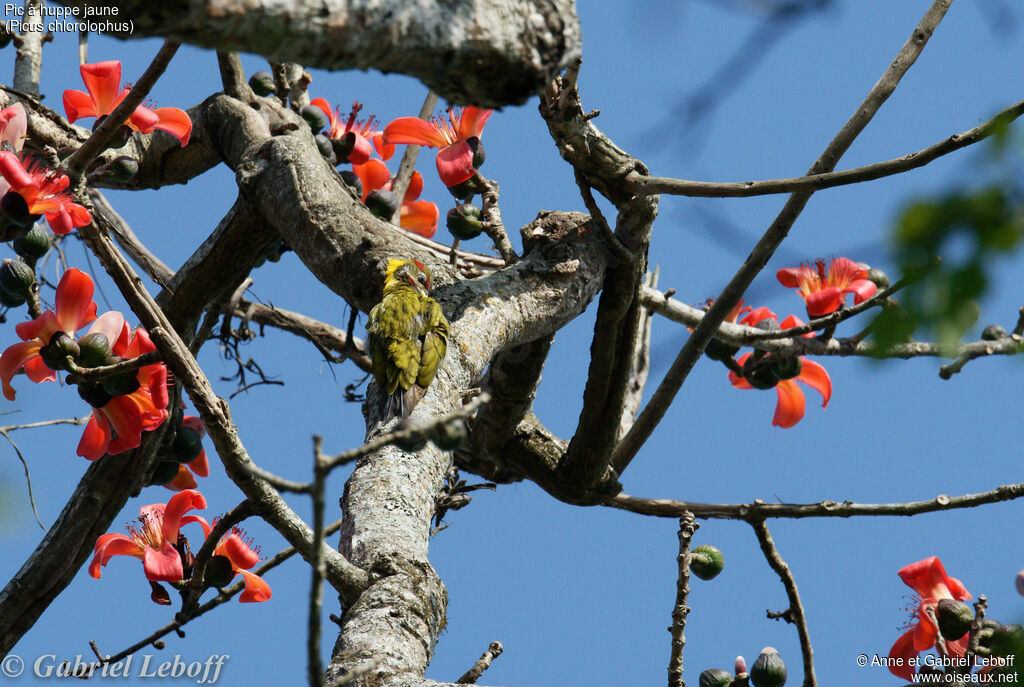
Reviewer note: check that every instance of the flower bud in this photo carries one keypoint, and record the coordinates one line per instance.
(123, 168)
(715, 677)
(353, 181)
(15, 210)
(768, 670)
(262, 83)
(95, 349)
(344, 146)
(954, 618)
(1020, 583)
(464, 221)
(33, 244)
(706, 562)
(218, 572)
(158, 594)
(463, 190)
(382, 203)
(740, 666)
(60, 348)
(17, 278)
(94, 395)
(188, 444)
(880, 278)
(993, 332)
(719, 350)
(785, 366)
(165, 471)
(449, 436)
(323, 144)
(10, 300)
(479, 155)
(759, 372)
(314, 116)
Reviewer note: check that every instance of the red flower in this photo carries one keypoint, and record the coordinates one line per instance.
(455, 157)
(103, 81)
(74, 309)
(13, 126)
(790, 408)
(198, 467)
(45, 192)
(928, 578)
(364, 131)
(823, 289)
(418, 216)
(153, 542)
(238, 549)
(118, 425)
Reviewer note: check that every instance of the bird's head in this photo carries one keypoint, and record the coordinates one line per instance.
(407, 274)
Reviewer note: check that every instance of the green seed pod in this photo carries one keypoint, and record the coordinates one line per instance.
(715, 677)
(464, 221)
(95, 349)
(954, 618)
(1007, 640)
(33, 244)
(165, 471)
(15, 210)
(262, 83)
(382, 203)
(450, 435)
(354, 181)
(759, 372)
(122, 383)
(218, 571)
(706, 562)
(464, 190)
(993, 332)
(768, 670)
(314, 116)
(479, 155)
(343, 146)
(123, 168)
(94, 395)
(9, 300)
(786, 366)
(17, 278)
(188, 444)
(880, 278)
(60, 348)
(323, 144)
(720, 351)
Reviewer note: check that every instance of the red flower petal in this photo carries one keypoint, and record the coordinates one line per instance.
(814, 375)
(174, 121)
(790, 408)
(862, 290)
(12, 360)
(825, 301)
(415, 188)
(326, 107)
(420, 217)
(256, 589)
(415, 131)
(735, 379)
(472, 121)
(177, 506)
(163, 565)
(374, 174)
(238, 552)
(758, 314)
(74, 304)
(95, 438)
(793, 276)
(37, 371)
(183, 480)
(110, 545)
(455, 163)
(929, 579)
(385, 150)
(103, 81)
(14, 172)
(903, 650)
(143, 119)
(361, 150)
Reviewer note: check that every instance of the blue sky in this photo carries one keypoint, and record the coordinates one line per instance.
(582, 596)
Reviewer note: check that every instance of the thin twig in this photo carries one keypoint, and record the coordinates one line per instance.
(78, 160)
(493, 226)
(221, 527)
(796, 609)
(91, 374)
(231, 75)
(663, 396)
(316, 592)
(405, 169)
(687, 527)
(483, 663)
(643, 185)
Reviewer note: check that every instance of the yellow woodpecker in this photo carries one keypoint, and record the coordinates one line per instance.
(407, 336)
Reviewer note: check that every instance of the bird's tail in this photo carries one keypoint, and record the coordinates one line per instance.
(401, 402)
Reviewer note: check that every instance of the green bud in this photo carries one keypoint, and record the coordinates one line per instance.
(188, 444)
(60, 348)
(759, 372)
(464, 221)
(785, 366)
(343, 146)
(33, 244)
(449, 436)
(479, 155)
(10, 300)
(218, 571)
(15, 210)
(94, 395)
(954, 617)
(1007, 640)
(123, 168)
(993, 332)
(719, 350)
(382, 203)
(768, 670)
(464, 190)
(323, 144)
(880, 278)
(314, 116)
(95, 349)
(354, 181)
(122, 383)
(715, 677)
(262, 83)
(706, 562)
(17, 278)
(165, 471)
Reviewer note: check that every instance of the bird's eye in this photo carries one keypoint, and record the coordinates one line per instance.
(423, 279)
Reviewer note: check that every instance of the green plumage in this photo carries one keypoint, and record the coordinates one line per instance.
(407, 337)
